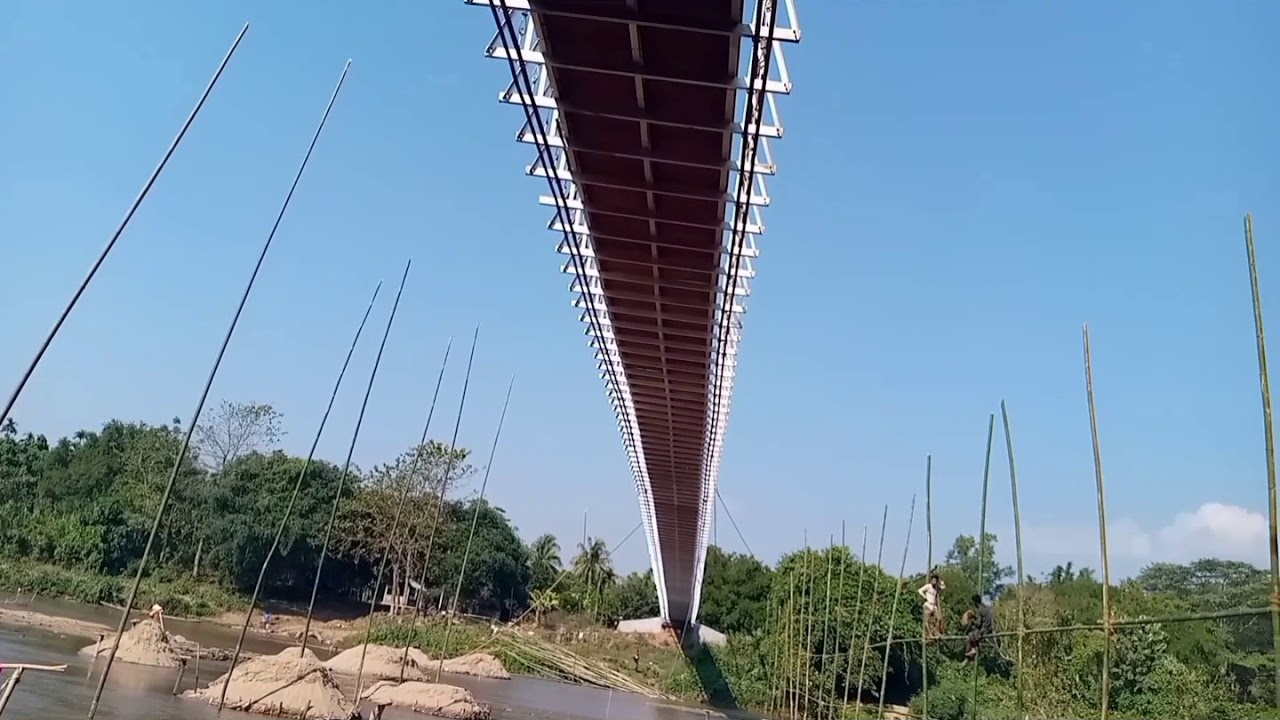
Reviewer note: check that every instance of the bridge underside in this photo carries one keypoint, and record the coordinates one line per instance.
(654, 148)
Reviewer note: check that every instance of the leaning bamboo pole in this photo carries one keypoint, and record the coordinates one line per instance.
(893, 609)
(793, 664)
(1017, 538)
(924, 633)
(871, 616)
(1264, 382)
(806, 642)
(1102, 528)
(982, 547)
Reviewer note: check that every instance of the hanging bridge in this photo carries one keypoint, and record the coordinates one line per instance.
(651, 122)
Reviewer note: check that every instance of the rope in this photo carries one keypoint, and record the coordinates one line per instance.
(733, 522)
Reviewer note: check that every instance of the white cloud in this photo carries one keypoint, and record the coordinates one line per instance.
(1212, 530)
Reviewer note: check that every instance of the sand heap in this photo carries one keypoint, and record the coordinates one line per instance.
(143, 644)
(380, 662)
(433, 699)
(285, 685)
(478, 664)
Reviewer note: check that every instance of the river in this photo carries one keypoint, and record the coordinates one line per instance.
(136, 692)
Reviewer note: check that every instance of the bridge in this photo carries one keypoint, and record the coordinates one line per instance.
(651, 122)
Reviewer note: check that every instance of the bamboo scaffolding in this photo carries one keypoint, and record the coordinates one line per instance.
(871, 617)
(982, 547)
(924, 633)
(893, 609)
(1264, 382)
(184, 449)
(792, 662)
(1017, 538)
(1115, 624)
(806, 642)
(1102, 528)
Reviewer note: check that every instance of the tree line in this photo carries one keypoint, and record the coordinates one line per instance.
(808, 635)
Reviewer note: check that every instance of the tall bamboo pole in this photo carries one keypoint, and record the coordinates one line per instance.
(982, 544)
(893, 609)
(792, 663)
(924, 634)
(1102, 528)
(826, 617)
(185, 448)
(1264, 382)
(1017, 538)
(839, 620)
(871, 616)
(853, 626)
(807, 633)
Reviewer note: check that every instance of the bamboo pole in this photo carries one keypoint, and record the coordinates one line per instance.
(853, 626)
(9, 687)
(791, 662)
(183, 451)
(839, 619)
(893, 609)
(775, 668)
(1264, 381)
(806, 644)
(1017, 538)
(1115, 624)
(871, 617)
(826, 617)
(1102, 528)
(924, 634)
(982, 546)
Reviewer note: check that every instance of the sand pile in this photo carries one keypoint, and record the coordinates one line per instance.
(143, 644)
(380, 662)
(478, 664)
(433, 699)
(284, 685)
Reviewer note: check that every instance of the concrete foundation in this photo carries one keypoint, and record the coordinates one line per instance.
(656, 625)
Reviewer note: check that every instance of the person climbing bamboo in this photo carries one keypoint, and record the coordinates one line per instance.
(931, 592)
(983, 623)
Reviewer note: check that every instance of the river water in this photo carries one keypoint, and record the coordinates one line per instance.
(136, 692)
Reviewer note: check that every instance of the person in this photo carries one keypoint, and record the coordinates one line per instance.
(983, 622)
(635, 658)
(934, 624)
(266, 621)
(157, 613)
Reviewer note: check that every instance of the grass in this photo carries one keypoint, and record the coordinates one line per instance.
(179, 595)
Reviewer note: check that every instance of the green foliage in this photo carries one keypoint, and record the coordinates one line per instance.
(735, 593)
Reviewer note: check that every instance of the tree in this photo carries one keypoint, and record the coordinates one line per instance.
(544, 561)
(963, 556)
(234, 429)
(594, 569)
(635, 597)
(231, 431)
(735, 592)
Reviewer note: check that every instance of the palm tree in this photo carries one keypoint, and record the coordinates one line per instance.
(544, 560)
(594, 568)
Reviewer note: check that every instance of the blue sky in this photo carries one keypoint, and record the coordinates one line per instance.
(961, 186)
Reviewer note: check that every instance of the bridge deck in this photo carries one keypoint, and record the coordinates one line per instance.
(637, 136)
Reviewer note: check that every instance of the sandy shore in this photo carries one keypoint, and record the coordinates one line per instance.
(52, 623)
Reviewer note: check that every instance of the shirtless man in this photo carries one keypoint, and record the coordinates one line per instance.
(157, 613)
(984, 622)
(931, 592)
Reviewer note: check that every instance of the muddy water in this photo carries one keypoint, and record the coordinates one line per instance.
(144, 693)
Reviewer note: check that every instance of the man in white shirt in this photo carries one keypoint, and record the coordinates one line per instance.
(931, 592)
